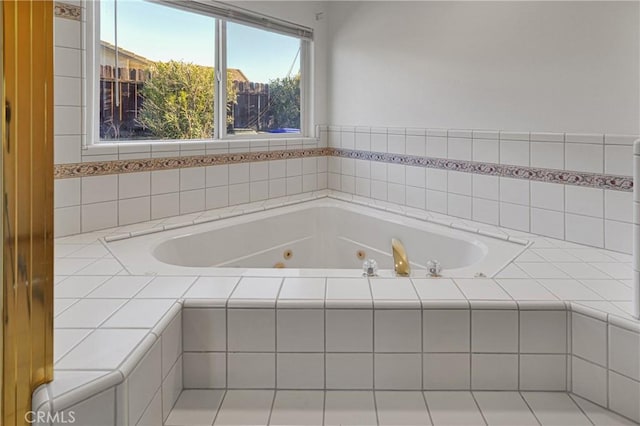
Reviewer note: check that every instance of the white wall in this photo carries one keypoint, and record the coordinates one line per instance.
(554, 66)
(311, 14)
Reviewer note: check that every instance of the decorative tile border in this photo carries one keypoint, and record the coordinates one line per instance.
(100, 168)
(593, 180)
(68, 11)
(617, 183)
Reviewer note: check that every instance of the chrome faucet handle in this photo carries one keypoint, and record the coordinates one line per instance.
(434, 268)
(370, 268)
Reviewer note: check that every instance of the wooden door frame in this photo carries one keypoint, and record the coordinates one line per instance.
(27, 204)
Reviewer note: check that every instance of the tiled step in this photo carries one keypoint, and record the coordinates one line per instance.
(268, 407)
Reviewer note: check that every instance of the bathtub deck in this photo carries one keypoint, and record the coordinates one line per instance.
(265, 407)
(98, 304)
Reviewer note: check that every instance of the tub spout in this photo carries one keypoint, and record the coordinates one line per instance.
(400, 261)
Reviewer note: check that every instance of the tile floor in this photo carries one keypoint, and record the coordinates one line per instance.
(266, 407)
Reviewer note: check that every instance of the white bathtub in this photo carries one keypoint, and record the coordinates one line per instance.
(323, 237)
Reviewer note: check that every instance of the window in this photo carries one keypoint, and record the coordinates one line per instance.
(266, 87)
(155, 73)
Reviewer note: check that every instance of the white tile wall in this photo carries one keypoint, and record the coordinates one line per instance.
(300, 370)
(624, 352)
(543, 332)
(251, 370)
(624, 395)
(446, 330)
(589, 338)
(446, 371)
(349, 370)
(555, 210)
(189, 190)
(349, 330)
(251, 330)
(494, 331)
(453, 349)
(397, 331)
(589, 380)
(397, 371)
(604, 365)
(204, 330)
(300, 330)
(204, 370)
(494, 371)
(143, 383)
(543, 372)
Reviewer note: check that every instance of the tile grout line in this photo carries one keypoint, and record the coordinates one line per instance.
(174, 365)
(470, 346)
(224, 396)
(568, 383)
(519, 345)
(324, 302)
(606, 340)
(275, 337)
(373, 341)
(273, 403)
(424, 399)
(580, 409)
(479, 409)
(324, 405)
(226, 324)
(470, 333)
(422, 342)
(529, 407)
(375, 405)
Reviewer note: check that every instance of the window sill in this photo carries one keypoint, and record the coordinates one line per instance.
(124, 150)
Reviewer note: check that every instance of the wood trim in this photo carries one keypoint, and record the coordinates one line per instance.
(27, 166)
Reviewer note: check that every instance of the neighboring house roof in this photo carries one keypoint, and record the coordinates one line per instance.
(236, 74)
(126, 53)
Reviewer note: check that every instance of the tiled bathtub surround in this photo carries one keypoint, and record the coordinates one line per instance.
(134, 380)
(591, 180)
(558, 203)
(605, 366)
(390, 346)
(107, 322)
(508, 178)
(103, 168)
(203, 347)
(409, 344)
(156, 189)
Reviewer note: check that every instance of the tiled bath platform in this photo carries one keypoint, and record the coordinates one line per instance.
(557, 318)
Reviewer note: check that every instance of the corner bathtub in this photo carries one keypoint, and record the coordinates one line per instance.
(316, 238)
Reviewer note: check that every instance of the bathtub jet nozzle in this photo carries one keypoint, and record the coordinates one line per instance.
(400, 261)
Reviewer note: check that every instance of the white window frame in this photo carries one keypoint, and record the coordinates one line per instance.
(223, 13)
